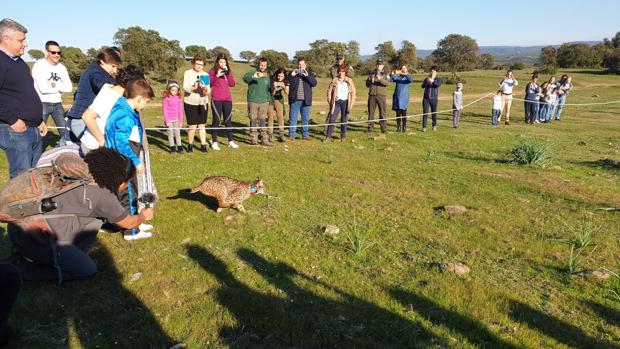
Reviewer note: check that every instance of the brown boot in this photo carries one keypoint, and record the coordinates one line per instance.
(266, 139)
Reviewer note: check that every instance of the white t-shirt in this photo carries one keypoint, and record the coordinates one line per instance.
(343, 91)
(102, 105)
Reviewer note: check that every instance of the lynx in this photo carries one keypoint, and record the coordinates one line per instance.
(229, 192)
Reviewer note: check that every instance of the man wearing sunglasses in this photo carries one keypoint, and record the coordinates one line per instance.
(21, 125)
(50, 80)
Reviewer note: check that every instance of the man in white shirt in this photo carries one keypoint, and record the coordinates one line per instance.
(50, 80)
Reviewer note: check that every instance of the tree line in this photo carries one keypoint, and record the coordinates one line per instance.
(161, 58)
(605, 54)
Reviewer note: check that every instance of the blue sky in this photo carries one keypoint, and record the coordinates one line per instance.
(239, 25)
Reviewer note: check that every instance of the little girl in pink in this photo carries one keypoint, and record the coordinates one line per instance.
(172, 110)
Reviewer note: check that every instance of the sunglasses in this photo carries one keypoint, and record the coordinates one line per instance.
(55, 52)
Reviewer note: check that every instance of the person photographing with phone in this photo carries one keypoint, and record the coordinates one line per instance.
(196, 102)
(506, 86)
(300, 82)
(259, 96)
(222, 80)
(431, 98)
(377, 84)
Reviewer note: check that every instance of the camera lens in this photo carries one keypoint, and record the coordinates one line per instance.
(48, 205)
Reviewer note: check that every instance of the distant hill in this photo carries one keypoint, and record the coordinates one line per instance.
(504, 54)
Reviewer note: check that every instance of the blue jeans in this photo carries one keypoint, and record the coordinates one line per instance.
(77, 127)
(23, 149)
(296, 108)
(558, 111)
(550, 111)
(494, 116)
(58, 115)
(542, 112)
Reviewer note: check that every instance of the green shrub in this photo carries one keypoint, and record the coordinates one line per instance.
(518, 66)
(530, 152)
(548, 70)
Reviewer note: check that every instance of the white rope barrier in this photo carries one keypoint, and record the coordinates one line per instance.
(357, 121)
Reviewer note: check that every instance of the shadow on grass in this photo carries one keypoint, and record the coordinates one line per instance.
(555, 328)
(612, 316)
(464, 156)
(474, 331)
(100, 311)
(156, 138)
(185, 194)
(293, 316)
(606, 164)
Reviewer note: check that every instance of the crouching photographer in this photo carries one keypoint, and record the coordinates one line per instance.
(54, 245)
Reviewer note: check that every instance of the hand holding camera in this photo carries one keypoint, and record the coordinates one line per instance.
(147, 213)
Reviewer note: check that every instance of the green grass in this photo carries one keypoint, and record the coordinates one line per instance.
(268, 279)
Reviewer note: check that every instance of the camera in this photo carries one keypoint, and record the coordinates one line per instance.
(48, 205)
(148, 199)
(300, 72)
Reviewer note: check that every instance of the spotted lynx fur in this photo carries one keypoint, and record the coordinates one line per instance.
(229, 192)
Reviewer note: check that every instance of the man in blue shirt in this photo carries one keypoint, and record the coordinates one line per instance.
(21, 124)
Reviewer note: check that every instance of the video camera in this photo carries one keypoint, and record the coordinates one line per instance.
(148, 199)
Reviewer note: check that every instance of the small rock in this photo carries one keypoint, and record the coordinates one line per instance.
(229, 219)
(341, 318)
(135, 277)
(379, 137)
(330, 229)
(455, 209)
(322, 112)
(596, 96)
(459, 269)
(186, 241)
(359, 147)
(581, 143)
(179, 346)
(556, 168)
(599, 274)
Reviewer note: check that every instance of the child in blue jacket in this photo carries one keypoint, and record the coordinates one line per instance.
(123, 133)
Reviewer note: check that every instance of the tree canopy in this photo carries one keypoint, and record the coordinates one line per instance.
(158, 56)
(36, 54)
(457, 53)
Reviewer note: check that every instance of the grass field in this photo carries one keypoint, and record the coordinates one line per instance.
(271, 279)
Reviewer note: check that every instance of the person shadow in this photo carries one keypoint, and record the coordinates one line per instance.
(472, 330)
(293, 316)
(99, 313)
(562, 331)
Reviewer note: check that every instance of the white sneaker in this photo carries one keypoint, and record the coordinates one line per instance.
(145, 227)
(233, 145)
(215, 146)
(140, 235)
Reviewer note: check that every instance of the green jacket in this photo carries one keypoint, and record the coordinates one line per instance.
(258, 89)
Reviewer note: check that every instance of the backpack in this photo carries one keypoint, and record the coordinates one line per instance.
(32, 192)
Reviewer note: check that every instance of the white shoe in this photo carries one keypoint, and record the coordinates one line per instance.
(140, 235)
(145, 227)
(233, 145)
(215, 146)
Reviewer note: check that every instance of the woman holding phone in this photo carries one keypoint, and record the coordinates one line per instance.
(222, 80)
(196, 101)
